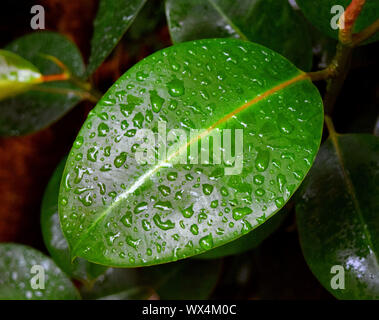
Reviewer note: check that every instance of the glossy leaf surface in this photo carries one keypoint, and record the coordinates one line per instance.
(16, 275)
(117, 211)
(252, 240)
(16, 74)
(319, 13)
(337, 215)
(113, 18)
(53, 237)
(47, 102)
(272, 23)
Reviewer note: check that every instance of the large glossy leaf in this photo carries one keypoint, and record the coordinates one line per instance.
(252, 240)
(113, 18)
(116, 211)
(272, 23)
(319, 13)
(17, 273)
(47, 102)
(338, 218)
(16, 74)
(53, 237)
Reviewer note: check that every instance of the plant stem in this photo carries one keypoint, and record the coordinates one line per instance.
(349, 17)
(362, 36)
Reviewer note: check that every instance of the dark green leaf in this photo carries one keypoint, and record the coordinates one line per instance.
(114, 17)
(53, 237)
(39, 108)
(17, 273)
(272, 23)
(252, 240)
(183, 280)
(188, 279)
(338, 218)
(319, 13)
(16, 74)
(119, 212)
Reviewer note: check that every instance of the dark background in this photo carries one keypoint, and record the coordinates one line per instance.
(276, 269)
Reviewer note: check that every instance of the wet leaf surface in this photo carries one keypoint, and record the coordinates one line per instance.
(46, 103)
(118, 212)
(272, 23)
(113, 18)
(16, 275)
(16, 74)
(337, 215)
(53, 237)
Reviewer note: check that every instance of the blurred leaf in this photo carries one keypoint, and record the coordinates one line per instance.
(252, 240)
(53, 237)
(16, 275)
(337, 215)
(16, 74)
(183, 280)
(113, 18)
(319, 14)
(47, 102)
(272, 23)
(189, 279)
(131, 214)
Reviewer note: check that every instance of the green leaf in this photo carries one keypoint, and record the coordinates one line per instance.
(189, 279)
(184, 280)
(272, 23)
(119, 212)
(319, 14)
(53, 237)
(252, 240)
(47, 102)
(16, 74)
(113, 18)
(337, 215)
(18, 277)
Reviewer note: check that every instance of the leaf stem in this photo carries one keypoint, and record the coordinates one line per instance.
(365, 34)
(330, 126)
(347, 21)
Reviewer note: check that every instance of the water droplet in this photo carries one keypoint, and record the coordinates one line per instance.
(175, 88)
(127, 219)
(262, 160)
(164, 225)
(102, 129)
(207, 189)
(120, 159)
(156, 101)
(239, 213)
(188, 212)
(206, 242)
(164, 190)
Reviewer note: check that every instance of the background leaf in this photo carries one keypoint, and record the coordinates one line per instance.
(189, 279)
(337, 215)
(53, 237)
(117, 212)
(272, 23)
(37, 109)
(252, 240)
(319, 13)
(113, 18)
(15, 275)
(16, 74)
